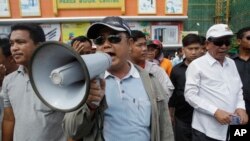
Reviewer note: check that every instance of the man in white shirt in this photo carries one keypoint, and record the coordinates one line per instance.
(213, 87)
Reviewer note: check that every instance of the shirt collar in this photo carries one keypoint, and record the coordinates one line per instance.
(235, 56)
(183, 63)
(212, 61)
(132, 72)
(21, 69)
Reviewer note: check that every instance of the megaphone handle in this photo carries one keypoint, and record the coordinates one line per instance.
(98, 78)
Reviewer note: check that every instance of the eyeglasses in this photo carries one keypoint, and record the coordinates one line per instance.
(220, 42)
(114, 39)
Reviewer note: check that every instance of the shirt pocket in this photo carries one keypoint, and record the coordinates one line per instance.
(138, 110)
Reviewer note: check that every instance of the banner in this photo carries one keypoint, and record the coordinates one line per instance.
(88, 4)
(72, 30)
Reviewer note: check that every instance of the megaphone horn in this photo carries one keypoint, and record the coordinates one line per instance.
(61, 77)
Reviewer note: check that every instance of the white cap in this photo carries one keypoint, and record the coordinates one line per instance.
(219, 30)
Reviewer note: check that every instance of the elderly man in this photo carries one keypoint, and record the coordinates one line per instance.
(213, 87)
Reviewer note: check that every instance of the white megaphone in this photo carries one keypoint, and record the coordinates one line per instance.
(61, 77)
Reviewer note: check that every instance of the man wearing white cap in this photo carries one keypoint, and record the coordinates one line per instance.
(213, 87)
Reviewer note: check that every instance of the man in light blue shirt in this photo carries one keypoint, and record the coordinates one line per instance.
(134, 107)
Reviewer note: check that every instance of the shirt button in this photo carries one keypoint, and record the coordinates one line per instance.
(123, 91)
(120, 82)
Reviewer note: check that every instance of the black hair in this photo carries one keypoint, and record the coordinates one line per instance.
(81, 39)
(242, 31)
(202, 40)
(179, 50)
(136, 34)
(191, 39)
(5, 46)
(36, 32)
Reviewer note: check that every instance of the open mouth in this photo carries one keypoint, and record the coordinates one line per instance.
(223, 52)
(111, 54)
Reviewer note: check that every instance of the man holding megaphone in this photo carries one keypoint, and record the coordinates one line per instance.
(134, 106)
(26, 118)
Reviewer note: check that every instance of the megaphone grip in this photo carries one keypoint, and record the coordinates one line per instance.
(97, 103)
(98, 81)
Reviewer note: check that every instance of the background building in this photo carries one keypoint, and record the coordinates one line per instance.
(64, 19)
(167, 20)
(204, 13)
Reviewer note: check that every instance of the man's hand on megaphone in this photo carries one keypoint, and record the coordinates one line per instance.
(96, 93)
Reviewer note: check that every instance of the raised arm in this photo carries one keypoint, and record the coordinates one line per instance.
(80, 123)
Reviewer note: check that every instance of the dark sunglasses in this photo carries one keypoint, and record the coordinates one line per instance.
(114, 39)
(220, 42)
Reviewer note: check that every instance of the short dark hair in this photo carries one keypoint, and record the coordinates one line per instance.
(203, 40)
(242, 31)
(179, 50)
(190, 39)
(136, 34)
(36, 32)
(81, 39)
(5, 46)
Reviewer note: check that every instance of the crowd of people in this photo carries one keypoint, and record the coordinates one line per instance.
(143, 95)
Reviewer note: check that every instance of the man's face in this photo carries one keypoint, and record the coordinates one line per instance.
(139, 51)
(218, 48)
(116, 44)
(22, 46)
(192, 51)
(151, 53)
(245, 41)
